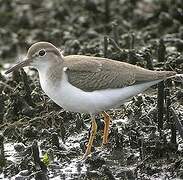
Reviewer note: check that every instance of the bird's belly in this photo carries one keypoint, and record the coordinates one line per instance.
(69, 97)
(73, 99)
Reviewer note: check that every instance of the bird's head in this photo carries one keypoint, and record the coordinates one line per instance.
(39, 55)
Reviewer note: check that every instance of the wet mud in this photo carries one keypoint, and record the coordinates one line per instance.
(40, 140)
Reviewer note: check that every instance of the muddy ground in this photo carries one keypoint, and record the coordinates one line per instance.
(39, 140)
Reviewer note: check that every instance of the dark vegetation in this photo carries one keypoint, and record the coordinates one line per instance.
(146, 137)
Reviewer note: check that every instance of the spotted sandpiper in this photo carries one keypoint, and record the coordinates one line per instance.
(87, 84)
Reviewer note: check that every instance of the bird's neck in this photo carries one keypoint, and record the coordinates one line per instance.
(51, 75)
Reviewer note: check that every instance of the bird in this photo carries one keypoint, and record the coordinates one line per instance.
(88, 84)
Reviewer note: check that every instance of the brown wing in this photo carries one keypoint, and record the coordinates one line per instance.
(94, 73)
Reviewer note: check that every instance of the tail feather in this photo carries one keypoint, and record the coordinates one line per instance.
(165, 74)
(177, 77)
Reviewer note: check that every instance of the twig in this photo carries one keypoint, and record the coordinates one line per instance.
(132, 40)
(177, 122)
(39, 165)
(2, 107)
(107, 10)
(35, 154)
(6, 86)
(115, 33)
(16, 76)
(2, 157)
(160, 105)
(115, 45)
(141, 148)
(105, 46)
(168, 103)
(27, 88)
(55, 140)
(161, 51)
(172, 124)
(147, 57)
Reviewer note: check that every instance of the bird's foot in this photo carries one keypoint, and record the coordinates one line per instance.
(91, 139)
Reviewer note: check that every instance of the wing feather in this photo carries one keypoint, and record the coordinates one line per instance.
(94, 73)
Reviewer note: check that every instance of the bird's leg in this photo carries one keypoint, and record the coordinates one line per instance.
(92, 136)
(106, 127)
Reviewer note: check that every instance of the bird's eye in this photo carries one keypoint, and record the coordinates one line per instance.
(42, 52)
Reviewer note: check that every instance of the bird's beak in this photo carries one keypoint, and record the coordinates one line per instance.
(24, 63)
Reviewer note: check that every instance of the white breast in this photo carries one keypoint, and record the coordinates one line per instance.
(73, 99)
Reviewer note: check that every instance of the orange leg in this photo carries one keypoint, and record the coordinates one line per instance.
(106, 127)
(92, 137)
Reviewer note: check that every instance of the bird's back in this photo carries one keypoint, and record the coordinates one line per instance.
(103, 73)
